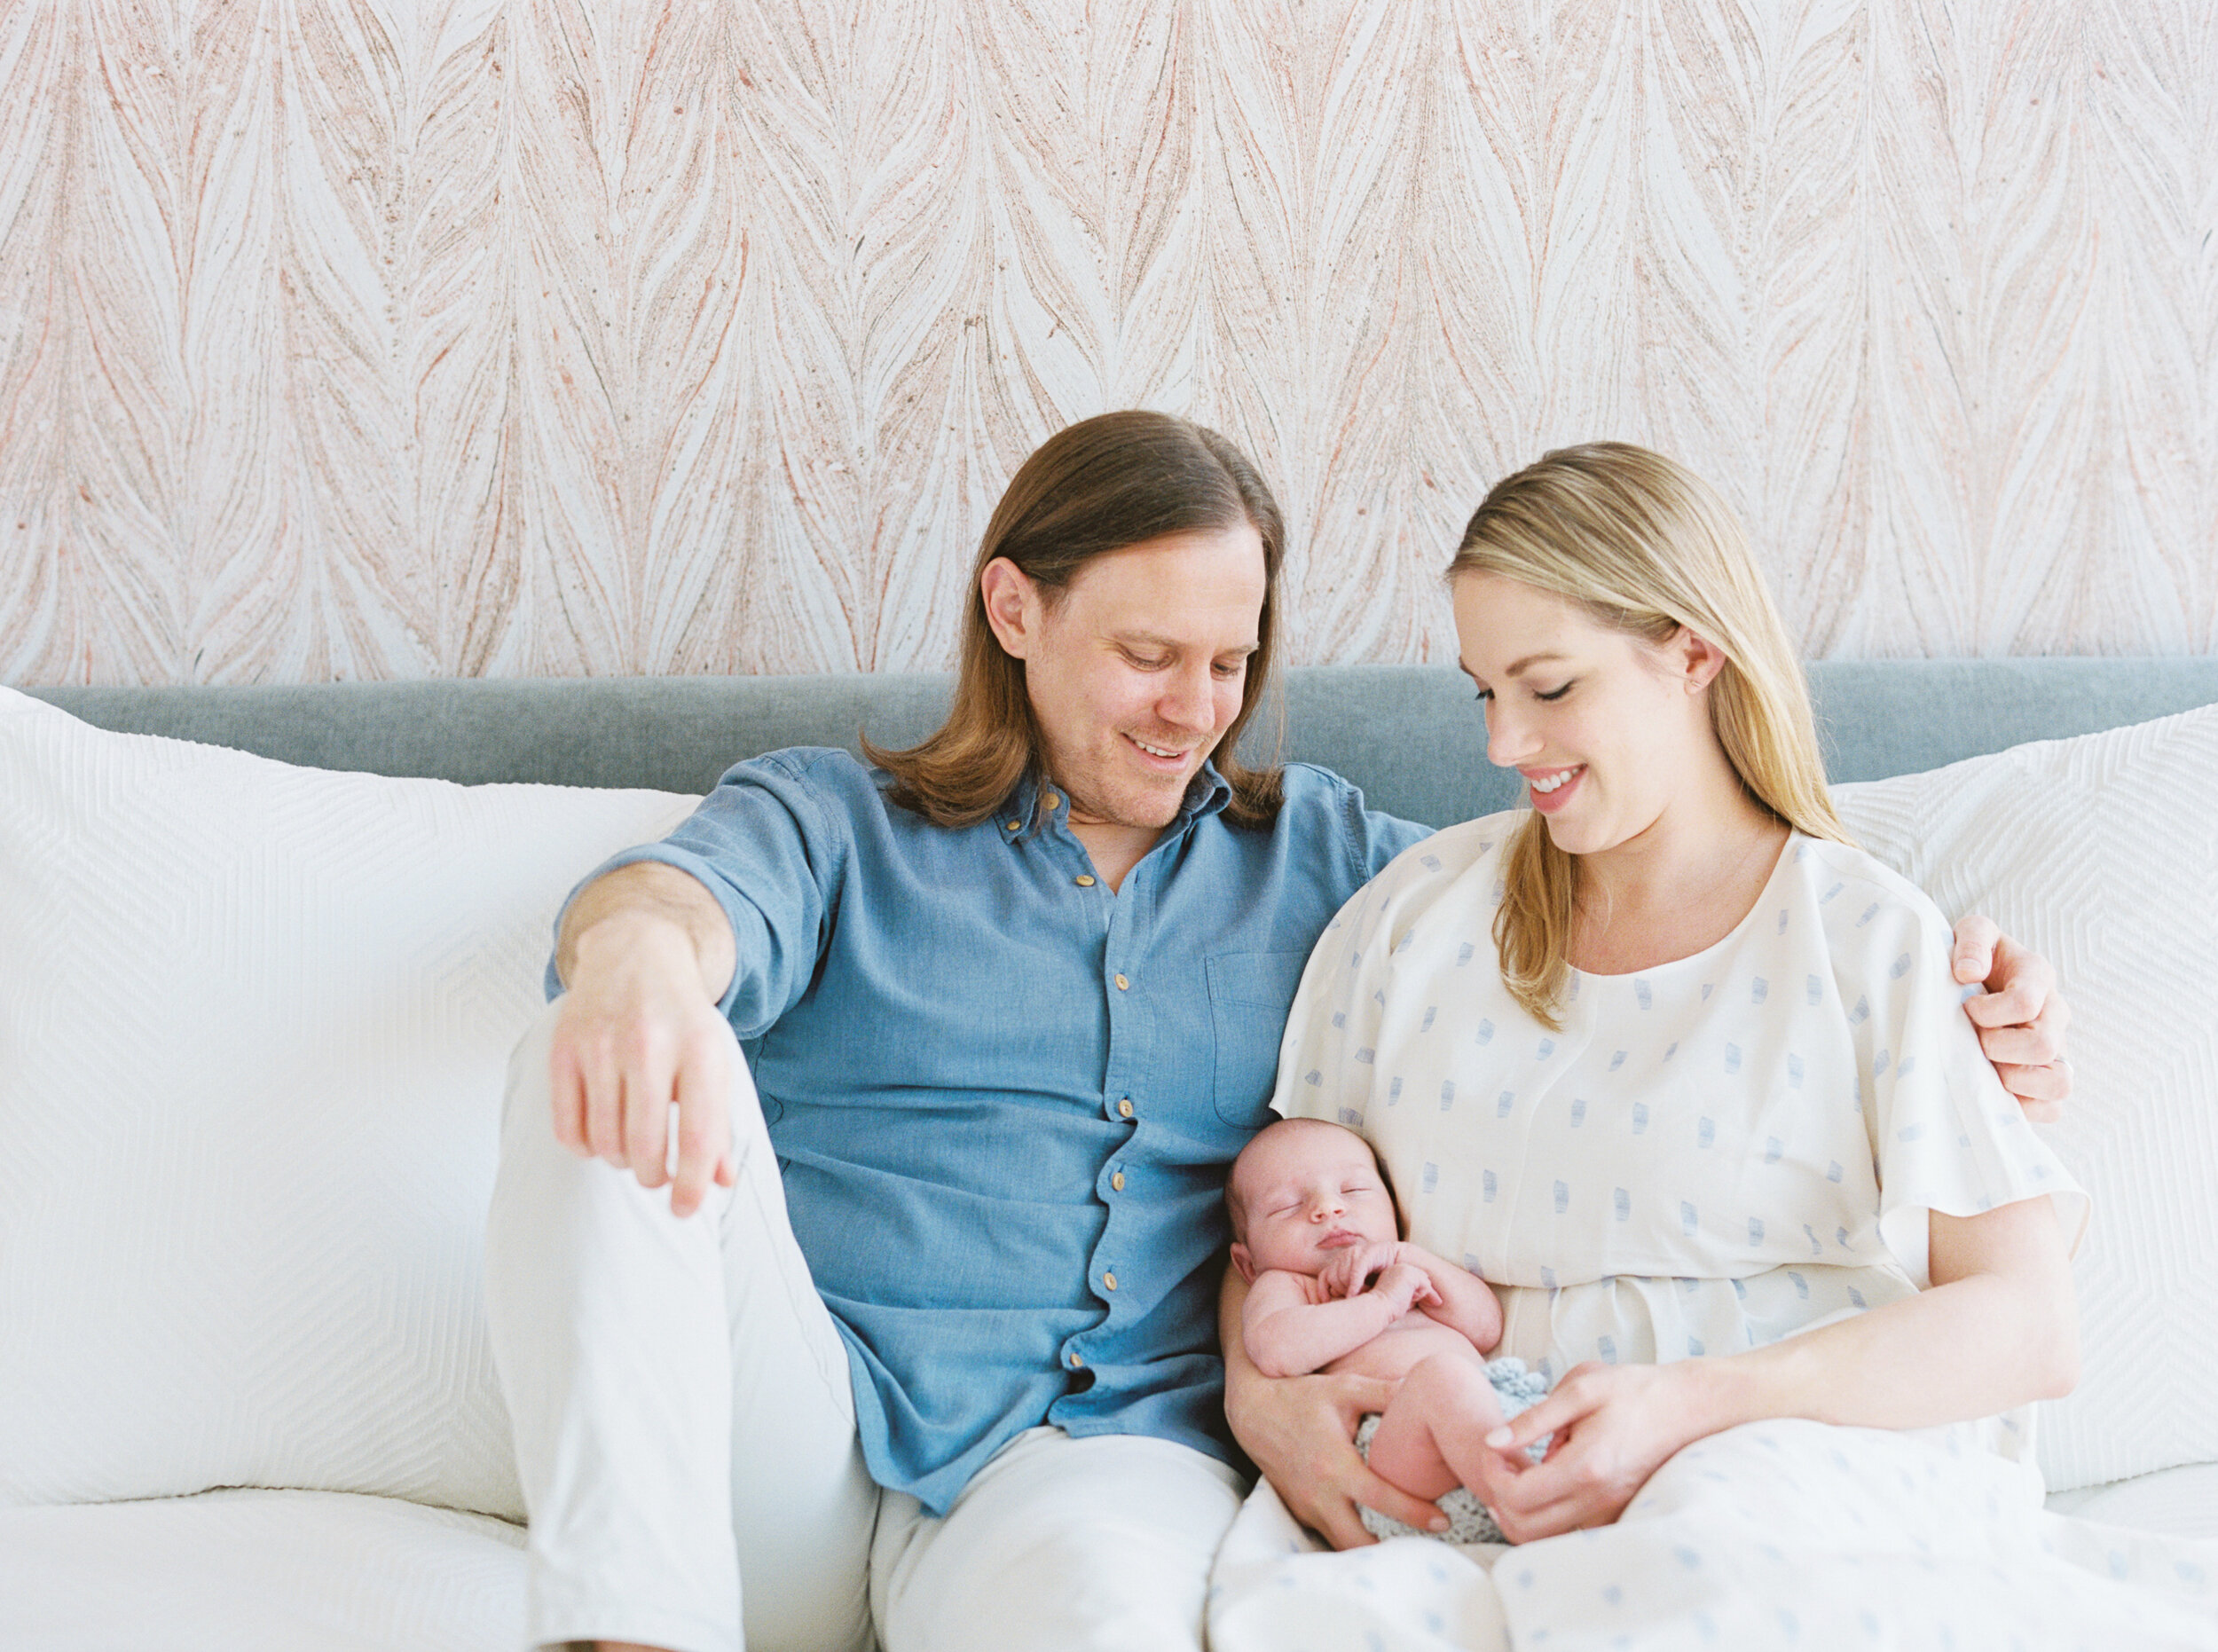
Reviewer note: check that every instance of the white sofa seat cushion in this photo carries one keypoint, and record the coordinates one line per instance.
(2102, 853)
(2182, 1501)
(309, 1571)
(254, 1020)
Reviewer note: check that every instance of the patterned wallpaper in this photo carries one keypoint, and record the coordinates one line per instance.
(398, 338)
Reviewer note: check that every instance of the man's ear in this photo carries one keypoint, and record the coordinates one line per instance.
(1013, 608)
(1244, 1261)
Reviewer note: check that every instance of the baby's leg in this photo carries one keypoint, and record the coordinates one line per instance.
(1438, 1418)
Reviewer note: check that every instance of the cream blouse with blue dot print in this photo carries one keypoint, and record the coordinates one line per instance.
(1710, 1154)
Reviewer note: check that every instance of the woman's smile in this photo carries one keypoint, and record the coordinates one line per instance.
(1551, 788)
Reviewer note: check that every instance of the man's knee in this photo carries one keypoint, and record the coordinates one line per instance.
(1091, 1545)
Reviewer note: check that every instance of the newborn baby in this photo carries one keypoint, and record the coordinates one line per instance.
(1332, 1287)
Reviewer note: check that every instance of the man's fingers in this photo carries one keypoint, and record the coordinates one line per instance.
(650, 1060)
(2032, 1041)
(2040, 1090)
(2023, 1003)
(566, 1089)
(647, 1126)
(604, 1107)
(1972, 956)
(2019, 1046)
(703, 1130)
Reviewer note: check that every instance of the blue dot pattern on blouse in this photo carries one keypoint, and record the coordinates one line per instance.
(1696, 1161)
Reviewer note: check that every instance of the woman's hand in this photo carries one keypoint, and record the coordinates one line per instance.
(1996, 1328)
(1302, 1432)
(1614, 1426)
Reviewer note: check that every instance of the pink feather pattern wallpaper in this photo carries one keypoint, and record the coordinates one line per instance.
(403, 338)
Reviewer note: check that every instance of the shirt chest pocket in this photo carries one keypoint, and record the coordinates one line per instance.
(1249, 996)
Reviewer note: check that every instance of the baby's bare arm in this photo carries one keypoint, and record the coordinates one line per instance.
(1288, 1335)
(1467, 1305)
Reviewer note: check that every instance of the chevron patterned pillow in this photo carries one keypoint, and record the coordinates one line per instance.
(253, 1024)
(2102, 852)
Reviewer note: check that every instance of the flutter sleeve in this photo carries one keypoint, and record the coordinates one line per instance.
(1945, 1135)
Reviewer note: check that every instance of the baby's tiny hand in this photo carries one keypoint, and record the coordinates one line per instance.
(1346, 1274)
(1406, 1285)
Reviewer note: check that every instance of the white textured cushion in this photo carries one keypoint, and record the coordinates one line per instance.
(2102, 853)
(2182, 1501)
(300, 1571)
(253, 1023)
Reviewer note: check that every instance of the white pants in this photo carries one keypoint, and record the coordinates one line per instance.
(685, 1432)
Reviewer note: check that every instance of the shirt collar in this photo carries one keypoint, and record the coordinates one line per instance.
(1206, 793)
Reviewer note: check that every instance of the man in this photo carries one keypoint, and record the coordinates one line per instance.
(923, 1337)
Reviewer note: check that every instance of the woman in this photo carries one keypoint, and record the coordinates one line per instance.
(1667, 1060)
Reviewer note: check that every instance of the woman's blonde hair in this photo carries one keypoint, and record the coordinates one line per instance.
(1645, 547)
(1115, 480)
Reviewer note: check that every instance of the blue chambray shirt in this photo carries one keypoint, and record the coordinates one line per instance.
(1004, 1099)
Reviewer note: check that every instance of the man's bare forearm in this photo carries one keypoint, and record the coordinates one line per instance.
(642, 904)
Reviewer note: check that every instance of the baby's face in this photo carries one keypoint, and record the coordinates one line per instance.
(1310, 1191)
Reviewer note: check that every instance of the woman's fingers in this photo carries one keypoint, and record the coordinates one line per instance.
(1552, 1415)
(1564, 1493)
(1335, 1520)
(1345, 1479)
(1552, 1518)
(1331, 1511)
(1397, 1504)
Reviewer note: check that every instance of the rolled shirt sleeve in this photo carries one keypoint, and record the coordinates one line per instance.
(765, 845)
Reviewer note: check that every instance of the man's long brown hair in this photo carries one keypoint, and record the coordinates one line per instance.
(1100, 485)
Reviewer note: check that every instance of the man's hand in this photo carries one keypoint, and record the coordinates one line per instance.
(638, 1031)
(2021, 1017)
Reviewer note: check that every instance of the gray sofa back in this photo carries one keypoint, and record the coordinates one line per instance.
(1410, 735)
